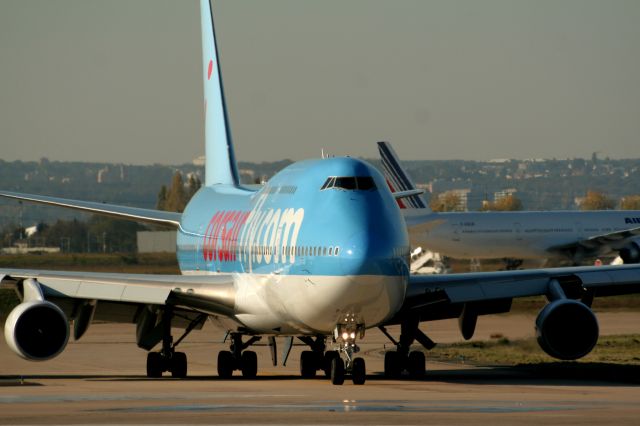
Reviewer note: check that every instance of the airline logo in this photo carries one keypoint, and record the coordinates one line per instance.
(632, 220)
(256, 236)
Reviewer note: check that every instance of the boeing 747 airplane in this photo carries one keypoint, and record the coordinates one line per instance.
(558, 235)
(319, 253)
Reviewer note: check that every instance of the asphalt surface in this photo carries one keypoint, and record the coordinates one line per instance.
(100, 380)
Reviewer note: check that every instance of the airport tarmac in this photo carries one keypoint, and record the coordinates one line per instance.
(100, 380)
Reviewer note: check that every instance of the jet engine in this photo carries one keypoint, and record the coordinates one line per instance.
(631, 252)
(567, 329)
(37, 330)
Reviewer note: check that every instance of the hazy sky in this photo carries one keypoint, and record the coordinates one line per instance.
(120, 80)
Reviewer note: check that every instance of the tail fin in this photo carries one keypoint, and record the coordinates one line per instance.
(220, 161)
(397, 178)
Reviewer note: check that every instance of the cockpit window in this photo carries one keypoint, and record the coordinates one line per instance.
(365, 183)
(349, 183)
(329, 183)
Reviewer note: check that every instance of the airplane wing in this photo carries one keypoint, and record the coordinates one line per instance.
(592, 244)
(130, 298)
(157, 217)
(434, 297)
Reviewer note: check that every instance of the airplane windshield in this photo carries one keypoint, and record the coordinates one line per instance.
(350, 183)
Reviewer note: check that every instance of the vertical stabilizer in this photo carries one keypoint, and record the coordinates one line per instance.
(220, 161)
(397, 178)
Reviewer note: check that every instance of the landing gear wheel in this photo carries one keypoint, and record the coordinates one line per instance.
(392, 366)
(328, 357)
(154, 364)
(337, 371)
(249, 364)
(179, 365)
(416, 365)
(308, 364)
(225, 364)
(358, 371)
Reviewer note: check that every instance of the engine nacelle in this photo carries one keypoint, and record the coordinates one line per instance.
(631, 252)
(37, 330)
(567, 329)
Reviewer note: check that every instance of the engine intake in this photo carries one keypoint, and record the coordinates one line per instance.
(630, 253)
(567, 329)
(37, 330)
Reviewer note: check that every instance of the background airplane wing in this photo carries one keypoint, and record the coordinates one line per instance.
(611, 238)
(157, 217)
(592, 244)
(435, 297)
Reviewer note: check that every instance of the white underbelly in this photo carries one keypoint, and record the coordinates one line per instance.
(315, 304)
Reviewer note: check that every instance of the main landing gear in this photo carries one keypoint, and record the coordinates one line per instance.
(168, 359)
(237, 358)
(403, 359)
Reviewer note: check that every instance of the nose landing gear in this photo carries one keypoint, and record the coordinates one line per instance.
(345, 336)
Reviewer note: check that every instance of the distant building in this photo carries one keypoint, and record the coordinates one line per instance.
(198, 161)
(156, 241)
(499, 195)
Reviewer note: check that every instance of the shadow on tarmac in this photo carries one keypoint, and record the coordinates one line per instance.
(542, 374)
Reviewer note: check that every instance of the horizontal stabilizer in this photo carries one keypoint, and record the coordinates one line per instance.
(156, 217)
(409, 193)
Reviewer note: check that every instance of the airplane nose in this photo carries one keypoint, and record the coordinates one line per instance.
(366, 253)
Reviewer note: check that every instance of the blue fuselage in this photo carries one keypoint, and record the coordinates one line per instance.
(319, 232)
(292, 226)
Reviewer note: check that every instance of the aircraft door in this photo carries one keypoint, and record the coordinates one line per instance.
(517, 227)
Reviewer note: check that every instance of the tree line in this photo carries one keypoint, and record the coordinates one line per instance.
(593, 200)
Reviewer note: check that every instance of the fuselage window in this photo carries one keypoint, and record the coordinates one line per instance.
(330, 251)
(337, 251)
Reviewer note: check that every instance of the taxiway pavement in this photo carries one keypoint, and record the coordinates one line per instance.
(100, 380)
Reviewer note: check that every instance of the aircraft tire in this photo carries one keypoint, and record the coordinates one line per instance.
(416, 365)
(392, 368)
(337, 371)
(249, 364)
(225, 364)
(308, 364)
(326, 362)
(358, 372)
(179, 365)
(154, 364)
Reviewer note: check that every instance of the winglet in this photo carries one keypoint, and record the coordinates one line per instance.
(220, 161)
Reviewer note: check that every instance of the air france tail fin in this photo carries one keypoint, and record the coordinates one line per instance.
(398, 179)
(220, 161)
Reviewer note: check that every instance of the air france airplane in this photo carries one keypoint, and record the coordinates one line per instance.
(319, 253)
(557, 235)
